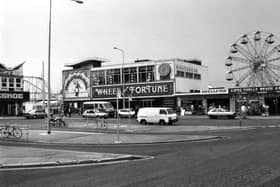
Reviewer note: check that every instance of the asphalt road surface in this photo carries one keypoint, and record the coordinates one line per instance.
(245, 158)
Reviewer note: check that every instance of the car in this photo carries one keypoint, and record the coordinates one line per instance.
(126, 112)
(34, 114)
(93, 113)
(220, 113)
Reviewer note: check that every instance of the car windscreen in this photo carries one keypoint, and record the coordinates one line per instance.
(108, 105)
(170, 111)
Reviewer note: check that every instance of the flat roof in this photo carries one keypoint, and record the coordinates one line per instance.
(86, 61)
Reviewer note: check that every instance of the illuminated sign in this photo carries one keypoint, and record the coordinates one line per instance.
(147, 89)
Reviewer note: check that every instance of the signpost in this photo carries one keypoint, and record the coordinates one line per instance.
(129, 120)
(118, 117)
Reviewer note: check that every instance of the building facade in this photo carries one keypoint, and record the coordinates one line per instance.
(139, 84)
(12, 94)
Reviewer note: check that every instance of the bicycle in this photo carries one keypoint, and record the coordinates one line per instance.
(8, 131)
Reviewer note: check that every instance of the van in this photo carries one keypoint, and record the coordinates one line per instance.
(156, 115)
(102, 106)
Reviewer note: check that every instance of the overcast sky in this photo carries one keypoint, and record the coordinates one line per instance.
(145, 29)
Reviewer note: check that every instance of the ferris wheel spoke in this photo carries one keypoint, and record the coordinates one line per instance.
(243, 77)
(250, 79)
(239, 59)
(243, 51)
(241, 68)
(273, 59)
(260, 78)
(272, 51)
(269, 77)
(275, 75)
(264, 48)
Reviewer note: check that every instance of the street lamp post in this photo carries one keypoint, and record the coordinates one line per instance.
(122, 77)
(49, 62)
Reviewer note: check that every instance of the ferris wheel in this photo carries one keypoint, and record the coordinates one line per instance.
(254, 60)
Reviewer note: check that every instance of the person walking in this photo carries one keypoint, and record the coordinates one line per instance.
(243, 112)
(69, 111)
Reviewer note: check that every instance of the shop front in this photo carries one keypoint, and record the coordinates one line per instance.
(257, 99)
(11, 103)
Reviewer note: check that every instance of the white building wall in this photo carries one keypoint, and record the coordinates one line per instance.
(183, 84)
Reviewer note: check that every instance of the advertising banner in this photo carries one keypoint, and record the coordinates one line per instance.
(76, 84)
(133, 90)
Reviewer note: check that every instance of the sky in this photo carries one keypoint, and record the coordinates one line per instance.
(144, 29)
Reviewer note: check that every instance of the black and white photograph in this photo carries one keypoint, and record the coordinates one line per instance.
(139, 93)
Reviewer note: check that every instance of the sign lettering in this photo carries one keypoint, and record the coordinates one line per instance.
(152, 89)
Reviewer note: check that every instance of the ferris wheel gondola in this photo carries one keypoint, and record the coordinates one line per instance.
(254, 60)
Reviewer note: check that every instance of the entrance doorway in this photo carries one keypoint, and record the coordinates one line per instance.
(274, 105)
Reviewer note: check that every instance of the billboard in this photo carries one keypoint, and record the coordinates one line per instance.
(76, 84)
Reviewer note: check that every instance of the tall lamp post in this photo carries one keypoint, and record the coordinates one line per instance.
(49, 62)
(122, 78)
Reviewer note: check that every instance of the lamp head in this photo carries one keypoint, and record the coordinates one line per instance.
(78, 1)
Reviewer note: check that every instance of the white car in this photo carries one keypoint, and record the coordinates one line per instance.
(156, 115)
(126, 112)
(34, 114)
(220, 113)
(93, 113)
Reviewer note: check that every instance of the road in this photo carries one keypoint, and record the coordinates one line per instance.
(245, 158)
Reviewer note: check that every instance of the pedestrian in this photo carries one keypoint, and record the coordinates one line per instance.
(243, 112)
(69, 112)
(65, 111)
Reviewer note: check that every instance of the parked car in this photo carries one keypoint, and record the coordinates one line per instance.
(34, 114)
(221, 113)
(126, 112)
(93, 113)
(156, 115)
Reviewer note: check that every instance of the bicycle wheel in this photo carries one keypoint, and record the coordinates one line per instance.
(5, 132)
(17, 132)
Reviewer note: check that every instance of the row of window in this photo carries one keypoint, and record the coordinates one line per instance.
(11, 83)
(189, 75)
(129, 75)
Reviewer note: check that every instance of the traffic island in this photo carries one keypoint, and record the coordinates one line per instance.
(23, 157)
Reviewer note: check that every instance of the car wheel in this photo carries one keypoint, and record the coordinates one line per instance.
(143, 122)
(212, 117)
(162, 122)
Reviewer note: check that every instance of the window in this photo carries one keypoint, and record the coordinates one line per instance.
(189, 75)
(130, 75)
(18, 82)
(11, 82)
(113, 76)
(197, 76)
(180, 73)
(146, 74)
(4, 82)
(162, 112)
(98, 78)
